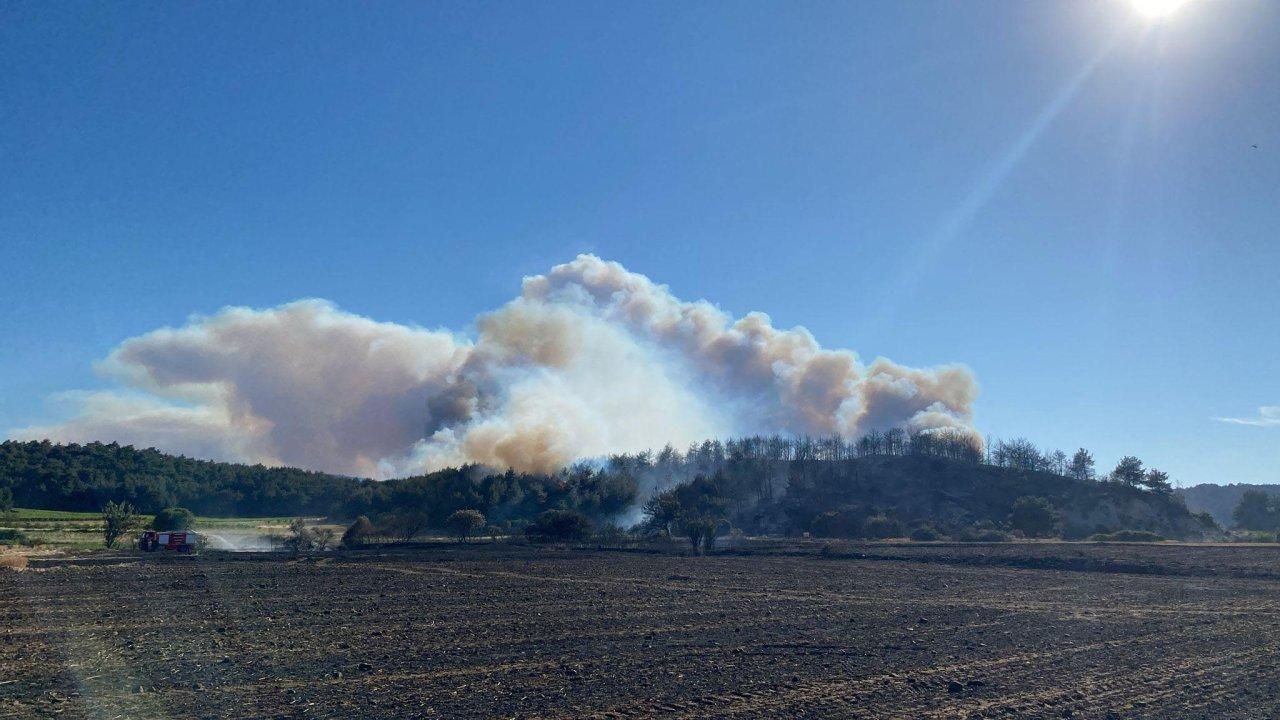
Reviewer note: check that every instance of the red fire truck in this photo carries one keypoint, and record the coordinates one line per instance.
(176, 541)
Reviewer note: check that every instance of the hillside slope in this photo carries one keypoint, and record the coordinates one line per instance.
(1220, 500)
(951, 494)
(53, 476)
(955, 494)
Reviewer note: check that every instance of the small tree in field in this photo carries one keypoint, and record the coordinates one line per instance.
(1034, 516)
(174, 518)
(6, 500)
(559, 526)
(406, 524)
(358, 534)
(701, 532)
(464, 522)
(881, 527)
(117, 519)
(322, 538)
(301, 538)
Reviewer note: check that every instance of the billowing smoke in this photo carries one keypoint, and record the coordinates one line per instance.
(590, 359)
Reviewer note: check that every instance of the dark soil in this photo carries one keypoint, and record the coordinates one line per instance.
(873, 631)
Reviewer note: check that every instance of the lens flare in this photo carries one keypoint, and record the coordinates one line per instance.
(1157, 8)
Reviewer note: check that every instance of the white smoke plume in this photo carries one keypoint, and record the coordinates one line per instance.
(590, 359)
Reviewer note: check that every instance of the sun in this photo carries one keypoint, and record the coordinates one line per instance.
(1157, 8)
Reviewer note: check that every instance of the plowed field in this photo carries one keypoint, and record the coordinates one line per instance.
(497, 631)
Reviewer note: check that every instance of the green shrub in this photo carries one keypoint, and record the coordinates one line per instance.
(610, 535)
(13, 537)
(359, 534)
(985, 531)
(879, 527)
(464, 522)
(924, 533)
(1034, 517)
(1127, 536)
(174, 518)
(828, 524)
(559, 526)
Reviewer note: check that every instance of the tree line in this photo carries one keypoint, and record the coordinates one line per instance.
(760, 484)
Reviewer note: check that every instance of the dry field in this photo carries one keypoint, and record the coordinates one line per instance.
(503, 631)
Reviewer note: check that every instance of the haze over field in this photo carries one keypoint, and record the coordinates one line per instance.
(589, 359)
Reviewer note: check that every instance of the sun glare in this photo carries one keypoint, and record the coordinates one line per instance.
(1157, 8)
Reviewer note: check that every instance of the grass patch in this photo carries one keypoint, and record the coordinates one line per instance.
(83, 530)
(1126, 536)
(32, 514)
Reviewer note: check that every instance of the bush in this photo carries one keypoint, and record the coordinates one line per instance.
(610, 535)
(404, 524)
(827, 524)
(702, 532)
(322, 538)
(6, 500)
(1127, 536)
(13, 537)
(924, 533)
(985, 531)
(117, 519)
(464, 522)
(359, 534)
(559, 526)
(879, 527)
(174, 518)
(303, 539)
(1033, 517)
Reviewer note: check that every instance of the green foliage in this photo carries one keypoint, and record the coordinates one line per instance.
(1257, 510)
(1127, 536)
(9, 536)
(985, 531)
(404, 524)
(762, 485)
(117, 520)
(358, 534)
(1157, 481)
(661, 512)
(1034, 517)
(559, 526)
(174, 519)
(610, 535)
(303, 539)
(1220, 501)
(464, 522)
(1081, 466)
(1129, 472)
(6, 500)
(880, 527)
(828, 525)
(697, 508)
(924, 533)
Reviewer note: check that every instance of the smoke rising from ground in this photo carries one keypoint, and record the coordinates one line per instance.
(590, 359)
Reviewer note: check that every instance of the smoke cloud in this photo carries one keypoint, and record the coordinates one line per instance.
(590, 359)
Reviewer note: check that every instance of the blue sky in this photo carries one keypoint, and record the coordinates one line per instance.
(1064, 196)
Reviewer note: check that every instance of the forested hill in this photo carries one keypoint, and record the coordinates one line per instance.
(1221, 500)
(951, 495)
(85, 477)
(892, 482)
